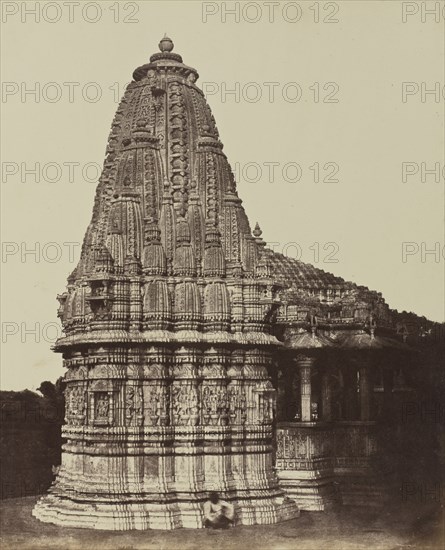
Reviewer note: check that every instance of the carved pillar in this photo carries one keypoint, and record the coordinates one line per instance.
(388, 385)
(350, 392)
(305, 364)
(365, 393)
(326, 396)
(259, 395)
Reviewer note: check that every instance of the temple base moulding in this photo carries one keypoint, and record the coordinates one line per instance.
(124, 516)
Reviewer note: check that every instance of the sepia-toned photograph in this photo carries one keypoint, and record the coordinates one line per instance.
(223, 275)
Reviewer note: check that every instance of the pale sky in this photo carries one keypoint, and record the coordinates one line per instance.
(282, 129)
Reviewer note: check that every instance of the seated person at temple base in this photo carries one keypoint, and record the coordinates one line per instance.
(218, 514)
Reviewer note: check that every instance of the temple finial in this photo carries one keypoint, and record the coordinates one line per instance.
(166, 44)
(257, 231)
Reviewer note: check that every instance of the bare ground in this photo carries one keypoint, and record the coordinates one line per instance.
(402, 527)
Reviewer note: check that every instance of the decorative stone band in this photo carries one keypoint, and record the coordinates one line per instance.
(165, 336)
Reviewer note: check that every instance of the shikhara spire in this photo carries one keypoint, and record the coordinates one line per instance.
(165, 166)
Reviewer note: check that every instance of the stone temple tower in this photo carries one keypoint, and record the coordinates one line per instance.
(167, 343)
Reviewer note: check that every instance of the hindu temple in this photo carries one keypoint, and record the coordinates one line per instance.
(196, 358)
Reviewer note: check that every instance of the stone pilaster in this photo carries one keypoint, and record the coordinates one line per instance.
(326, 396)
(214, 420)
(350, 392)
(305, 364)
(365, 393)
